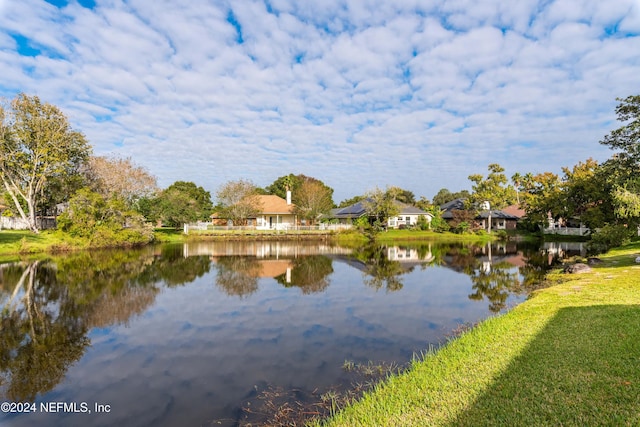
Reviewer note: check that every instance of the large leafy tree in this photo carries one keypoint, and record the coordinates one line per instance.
(444, 196)
(493, 189)
(402, 195)
(623, 169)
(37, 147)
(587, 194)
(294, 183)
(380, 206)
(182, 202)
(312, 199)
(627, 137)
(544, 196)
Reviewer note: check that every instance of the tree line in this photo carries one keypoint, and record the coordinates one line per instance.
(45, 164)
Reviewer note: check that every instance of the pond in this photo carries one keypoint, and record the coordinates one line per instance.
(191, 334)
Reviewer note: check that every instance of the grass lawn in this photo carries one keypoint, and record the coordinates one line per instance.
(408, 235)
(21, 242)
(569, 356)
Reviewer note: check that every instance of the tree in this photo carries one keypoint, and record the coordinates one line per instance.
(544, 196)
(300, 196)
(113, 176)
(38, 147)
(627, 137)
(351, 201)
(492, 189)
(180, 203)
(239, 200)
(401, 195)
(623, 169)
(587, 194)
(285, 183)
(380, 206)
(312, 199)
(445, 196)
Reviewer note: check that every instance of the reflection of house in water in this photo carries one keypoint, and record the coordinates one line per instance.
(565, 249)
(268, 268)
(408, 254)
(267, 259)
(266, 249)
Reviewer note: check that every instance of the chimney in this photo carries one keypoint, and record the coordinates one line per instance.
(288, 197)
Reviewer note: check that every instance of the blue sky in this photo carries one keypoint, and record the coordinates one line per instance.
(359, 94)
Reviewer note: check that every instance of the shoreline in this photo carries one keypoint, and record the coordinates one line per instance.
(20, 243)
(560, 358)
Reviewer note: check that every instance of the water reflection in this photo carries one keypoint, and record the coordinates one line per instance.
(300, 303)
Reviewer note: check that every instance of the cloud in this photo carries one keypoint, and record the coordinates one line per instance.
(356, 93)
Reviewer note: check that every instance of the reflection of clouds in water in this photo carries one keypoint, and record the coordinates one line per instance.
(198, 350)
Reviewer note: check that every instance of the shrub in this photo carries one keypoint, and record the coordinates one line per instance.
(103, 222)
(610, 236)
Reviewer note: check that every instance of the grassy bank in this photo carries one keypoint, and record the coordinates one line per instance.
(21, 242)
(570, 355)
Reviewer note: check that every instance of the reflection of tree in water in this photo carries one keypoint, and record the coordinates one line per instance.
(238, 275)
(119, 308)
(462, 258)
(538, 263)
(174, 269)
(309, 273)
(41, 337)
(48, 307)
(380, 271)
(494, 282)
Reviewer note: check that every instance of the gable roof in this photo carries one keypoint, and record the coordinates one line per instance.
(406, 209)
(272, 204)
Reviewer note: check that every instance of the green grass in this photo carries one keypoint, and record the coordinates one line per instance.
(408, 235)
(570, 356)
(22, 242)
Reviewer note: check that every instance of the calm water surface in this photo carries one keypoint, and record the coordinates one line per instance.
(186, 335)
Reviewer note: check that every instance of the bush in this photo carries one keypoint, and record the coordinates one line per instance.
(502, 234)
(610, 236)
(422, 223)
(103, 222)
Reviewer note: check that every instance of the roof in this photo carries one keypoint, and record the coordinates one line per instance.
(359, 209)
(458, 204)
(272, 204)
(406, 209)
(454, 205)
(269, 205)
(355, 210)
(497, 214)
(515, 210)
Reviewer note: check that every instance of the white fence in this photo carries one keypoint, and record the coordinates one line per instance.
(17, 223)
(568, 231)
(207, 226)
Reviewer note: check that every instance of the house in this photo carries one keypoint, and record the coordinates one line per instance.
(275, 213)
(501, 219)
(408, 215)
